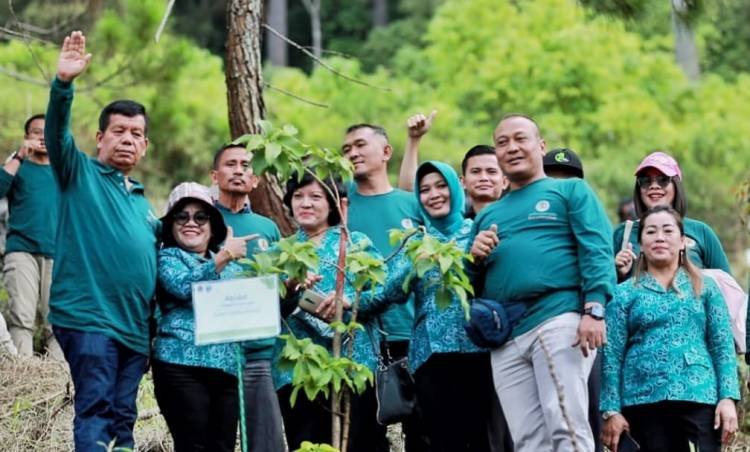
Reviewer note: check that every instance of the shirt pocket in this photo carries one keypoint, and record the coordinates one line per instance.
(699, 369)
(696, 358)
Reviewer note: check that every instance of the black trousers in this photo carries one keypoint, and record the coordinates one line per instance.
(454, 391)
(311, 421)
(668, 426)
(200, 405)
(595, 390)
(415, 435)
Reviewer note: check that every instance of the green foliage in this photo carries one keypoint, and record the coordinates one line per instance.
(727, 38)
(307, 446)
(592, 84)
(278, 151)
(316, 372)
(181, 85)
(426, 253)
(368, 270)
(289, 258)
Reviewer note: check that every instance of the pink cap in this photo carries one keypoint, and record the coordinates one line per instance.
(663, 162)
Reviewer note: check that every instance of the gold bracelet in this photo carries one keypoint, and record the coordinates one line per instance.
(231, 254)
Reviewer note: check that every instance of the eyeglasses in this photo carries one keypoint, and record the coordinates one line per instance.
(646, 181)
(200, 218)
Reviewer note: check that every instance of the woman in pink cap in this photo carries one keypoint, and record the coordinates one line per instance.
(658, 181)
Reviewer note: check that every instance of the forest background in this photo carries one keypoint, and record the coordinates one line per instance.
(607, 78)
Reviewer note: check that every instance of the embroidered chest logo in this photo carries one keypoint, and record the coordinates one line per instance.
(541, 211)
(542, 206)
(262, 244)
(406, 223)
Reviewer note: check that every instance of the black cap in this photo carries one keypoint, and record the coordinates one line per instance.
(563, 159)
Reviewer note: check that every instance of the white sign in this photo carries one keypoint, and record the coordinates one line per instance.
(236, 310)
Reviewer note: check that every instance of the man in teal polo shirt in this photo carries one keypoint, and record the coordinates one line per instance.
(105, 258)
(27, 181)
(547, 244)
(375, 207)
(234, 177)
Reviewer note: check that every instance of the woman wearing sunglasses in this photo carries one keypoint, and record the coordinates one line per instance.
(659, 183)
(195, 386)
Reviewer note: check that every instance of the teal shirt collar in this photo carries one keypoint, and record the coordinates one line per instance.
(681, 281)
(451, 223)
(106, 169)
(245, 209)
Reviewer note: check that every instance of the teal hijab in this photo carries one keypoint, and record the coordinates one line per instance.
(451, 223)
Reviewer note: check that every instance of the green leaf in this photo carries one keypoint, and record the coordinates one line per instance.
(289, 130)
(273, 150)
(442, 298)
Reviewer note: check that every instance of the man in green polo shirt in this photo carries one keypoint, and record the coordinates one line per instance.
(27, 181)
(105, 258)
(234, 177)
(375, 207)
(547, 244)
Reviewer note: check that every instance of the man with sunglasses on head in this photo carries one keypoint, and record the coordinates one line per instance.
(105, 258)
(659, 182)
(234, 178)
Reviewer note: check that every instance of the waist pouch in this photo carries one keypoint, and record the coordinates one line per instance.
(491, 323)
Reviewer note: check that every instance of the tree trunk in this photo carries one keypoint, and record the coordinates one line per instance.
(379, 13)
(244, 81)
(313, 9)
(275, 47)
(686, 51)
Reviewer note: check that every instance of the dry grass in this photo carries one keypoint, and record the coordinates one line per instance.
(36, 409)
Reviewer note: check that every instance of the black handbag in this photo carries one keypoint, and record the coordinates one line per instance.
(394, 390)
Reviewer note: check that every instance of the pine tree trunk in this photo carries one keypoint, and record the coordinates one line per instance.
(244, 79)
(686, 51)
(275, 47)
(316, 30)
(380, 13)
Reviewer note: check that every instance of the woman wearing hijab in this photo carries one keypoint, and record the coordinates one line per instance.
(452, 375)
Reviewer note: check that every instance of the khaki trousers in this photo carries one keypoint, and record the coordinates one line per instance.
(529, 394)
(6, 343)
(27, 278)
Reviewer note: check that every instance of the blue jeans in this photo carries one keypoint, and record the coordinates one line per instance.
(105, 375)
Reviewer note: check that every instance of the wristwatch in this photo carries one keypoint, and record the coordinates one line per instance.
(595, 311)
(17, 157)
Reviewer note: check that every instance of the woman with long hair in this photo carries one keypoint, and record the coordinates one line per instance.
(669, 374)
(658, 182)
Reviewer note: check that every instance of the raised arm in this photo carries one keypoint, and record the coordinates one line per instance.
(63, 154)
(417, 126)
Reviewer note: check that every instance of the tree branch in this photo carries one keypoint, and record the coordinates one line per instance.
(18, 35)
(294, 96)
(319, 61)
(22, 77)
(164, 21)
(27, 41)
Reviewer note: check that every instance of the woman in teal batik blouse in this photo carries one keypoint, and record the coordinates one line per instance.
(195, 385)
(452, 376)
(670, 373)
(314, 210)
